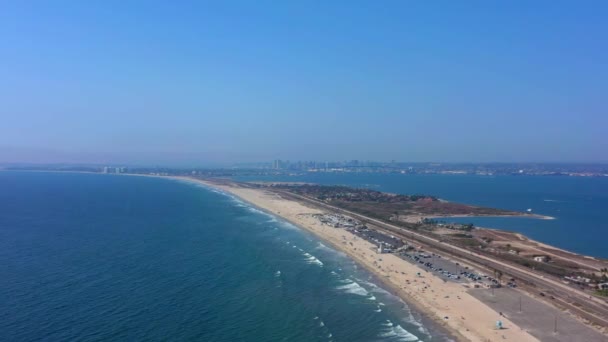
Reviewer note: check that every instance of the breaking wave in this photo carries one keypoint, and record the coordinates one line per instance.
(354, 288)
(311, 259)
(397, 333)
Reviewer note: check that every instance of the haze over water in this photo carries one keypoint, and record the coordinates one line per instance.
(577, 203)
(99, 257)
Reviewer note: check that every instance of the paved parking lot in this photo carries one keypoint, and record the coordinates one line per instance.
(537, 317)
(452, 271)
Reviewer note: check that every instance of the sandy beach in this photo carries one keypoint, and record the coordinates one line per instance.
(449, 304)
(418, 218)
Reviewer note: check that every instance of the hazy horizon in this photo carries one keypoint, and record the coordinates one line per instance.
(195, 84)
(269, 164)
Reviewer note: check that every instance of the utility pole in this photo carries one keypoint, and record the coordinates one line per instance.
(519, 304)
(555, 326)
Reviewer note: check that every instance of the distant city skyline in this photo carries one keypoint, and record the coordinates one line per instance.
(213, 84)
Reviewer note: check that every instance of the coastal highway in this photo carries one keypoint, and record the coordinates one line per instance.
(588, 307)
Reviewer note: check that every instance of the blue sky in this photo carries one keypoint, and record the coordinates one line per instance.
(202, 83)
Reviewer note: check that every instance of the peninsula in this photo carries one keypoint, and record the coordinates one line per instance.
(464, 286)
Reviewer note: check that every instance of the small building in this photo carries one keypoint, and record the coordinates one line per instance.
(602, 286)
(541, 258)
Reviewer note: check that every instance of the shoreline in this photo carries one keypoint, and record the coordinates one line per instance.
(523, 215)
(269, 202)
(464, 312)
(390, 288)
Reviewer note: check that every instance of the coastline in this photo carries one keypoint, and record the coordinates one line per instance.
(468, 319)
(230, 188)
(522, 215)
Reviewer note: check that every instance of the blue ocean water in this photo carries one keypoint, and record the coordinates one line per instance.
(578, 203)
(87, 257)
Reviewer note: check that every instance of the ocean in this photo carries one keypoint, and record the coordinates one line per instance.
(577, 203)
(91, 257)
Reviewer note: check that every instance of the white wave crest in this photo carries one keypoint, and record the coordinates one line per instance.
(311, 259)
(353, 288)
(321, 246)
(287, 225)
(375, 288)
(399, 333)
(257, 211)
(415, 322)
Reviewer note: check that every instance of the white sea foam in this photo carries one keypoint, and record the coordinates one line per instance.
(388, 323)
(287, 225)
(399, 333)
(410, 317)
(257, 211)
(421, 327)
(321, 324)
(375, 288)
(378, 309)
(353, 288)
(311, 259)
(372, 297)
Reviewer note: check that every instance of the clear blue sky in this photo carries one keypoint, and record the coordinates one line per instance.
(175, 82)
